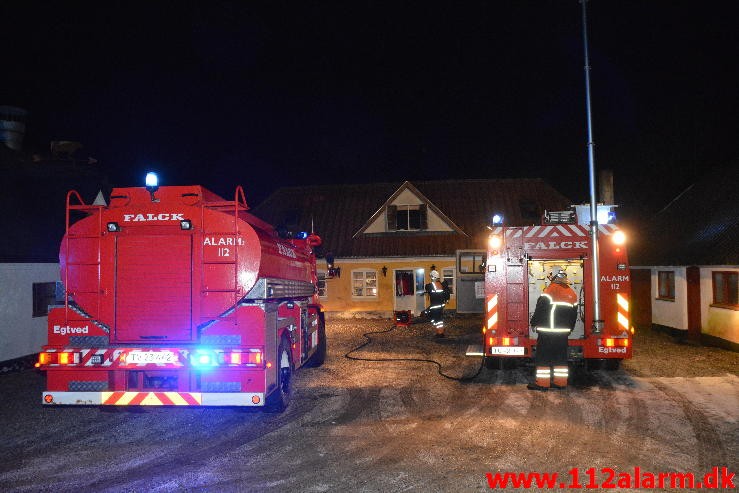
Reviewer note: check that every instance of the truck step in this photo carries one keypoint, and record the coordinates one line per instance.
(475, 350)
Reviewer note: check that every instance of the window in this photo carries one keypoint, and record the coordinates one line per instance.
(447, 275)
(45, 294)
(364, 284)
(666, 285)
(471, 262)
(407, 217)
(322, 286)
(725, 288)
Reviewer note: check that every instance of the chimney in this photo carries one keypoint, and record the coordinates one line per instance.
(12, 126)
(605, 187)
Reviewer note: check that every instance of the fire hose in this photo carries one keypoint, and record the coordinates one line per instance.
(368, 341)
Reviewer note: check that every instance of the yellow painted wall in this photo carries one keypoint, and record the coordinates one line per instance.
(339, 289)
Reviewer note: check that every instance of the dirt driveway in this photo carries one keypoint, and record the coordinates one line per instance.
(395, 426)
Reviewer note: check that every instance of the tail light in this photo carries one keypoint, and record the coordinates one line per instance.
(58, 358)
(204, 358)
(614, 342)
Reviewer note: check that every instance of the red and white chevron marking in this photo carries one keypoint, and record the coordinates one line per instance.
(554, 231)
(492, 311)
(151, 399)
(623, 311)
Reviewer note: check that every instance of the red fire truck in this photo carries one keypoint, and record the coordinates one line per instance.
(175, 296)
(518, 262)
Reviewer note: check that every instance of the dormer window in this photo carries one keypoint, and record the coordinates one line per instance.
(407, 217)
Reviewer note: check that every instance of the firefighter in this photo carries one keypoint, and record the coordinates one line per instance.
(438, 296)
(553, 320)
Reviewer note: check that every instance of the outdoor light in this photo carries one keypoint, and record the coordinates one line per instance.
(113, 227)
(186, 224)
(495, 242)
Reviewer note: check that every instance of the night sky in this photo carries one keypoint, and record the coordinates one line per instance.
(273, 93)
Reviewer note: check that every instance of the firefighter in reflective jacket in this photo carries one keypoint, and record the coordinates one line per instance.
(438, 296)
(553, 319)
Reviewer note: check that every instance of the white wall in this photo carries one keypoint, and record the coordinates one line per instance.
(20, 333)
(671, 313)
(718, 322)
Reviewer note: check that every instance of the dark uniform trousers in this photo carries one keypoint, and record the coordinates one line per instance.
(554, 318)
(438, 296)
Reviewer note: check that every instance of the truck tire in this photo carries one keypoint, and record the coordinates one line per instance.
(320, 355)
(280, 397)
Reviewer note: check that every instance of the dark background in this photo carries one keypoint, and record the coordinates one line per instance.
(273, 93)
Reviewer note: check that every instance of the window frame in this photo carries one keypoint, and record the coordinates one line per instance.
(395, 211)
(43, 295)
(321, 284)
(365, 284)
(447, 274)
(723, 286)
(478, 267)
(666, 279)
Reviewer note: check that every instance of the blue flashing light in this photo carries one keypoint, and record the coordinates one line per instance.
(302, 235)
(497, 219)
(152, 180)
(203, 359)
(606, 216)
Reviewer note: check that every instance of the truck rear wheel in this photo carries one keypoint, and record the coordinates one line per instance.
(279, 399)
(320, 355)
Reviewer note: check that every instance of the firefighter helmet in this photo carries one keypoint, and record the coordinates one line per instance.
(558, 274)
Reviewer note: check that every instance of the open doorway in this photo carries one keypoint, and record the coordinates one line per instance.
(409, 292)
(538, 271)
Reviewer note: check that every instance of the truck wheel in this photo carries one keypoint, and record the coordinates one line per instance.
(320, 355)
(611, 364)
(280, 397)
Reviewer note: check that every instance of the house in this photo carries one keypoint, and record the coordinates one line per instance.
(382, 240)
(33, 223)
(685, 267)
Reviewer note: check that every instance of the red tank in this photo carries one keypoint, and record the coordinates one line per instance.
(180, 271)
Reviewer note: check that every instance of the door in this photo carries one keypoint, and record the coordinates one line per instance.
(470, 281)
(153, 300)
(409, 292)
(693, 278)
(641, 298)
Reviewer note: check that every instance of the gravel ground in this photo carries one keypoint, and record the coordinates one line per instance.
(391, 425)
(656, 354)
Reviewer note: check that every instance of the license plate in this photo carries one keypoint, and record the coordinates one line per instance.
(507, 350)
(144, 357)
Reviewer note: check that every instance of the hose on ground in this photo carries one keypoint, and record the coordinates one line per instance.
(368, 341)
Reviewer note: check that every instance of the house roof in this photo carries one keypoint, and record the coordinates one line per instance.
(699, 227)
(338, 212)
(33, 204)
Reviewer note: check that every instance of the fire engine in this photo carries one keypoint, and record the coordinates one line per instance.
(174, 296)
(518, 262)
